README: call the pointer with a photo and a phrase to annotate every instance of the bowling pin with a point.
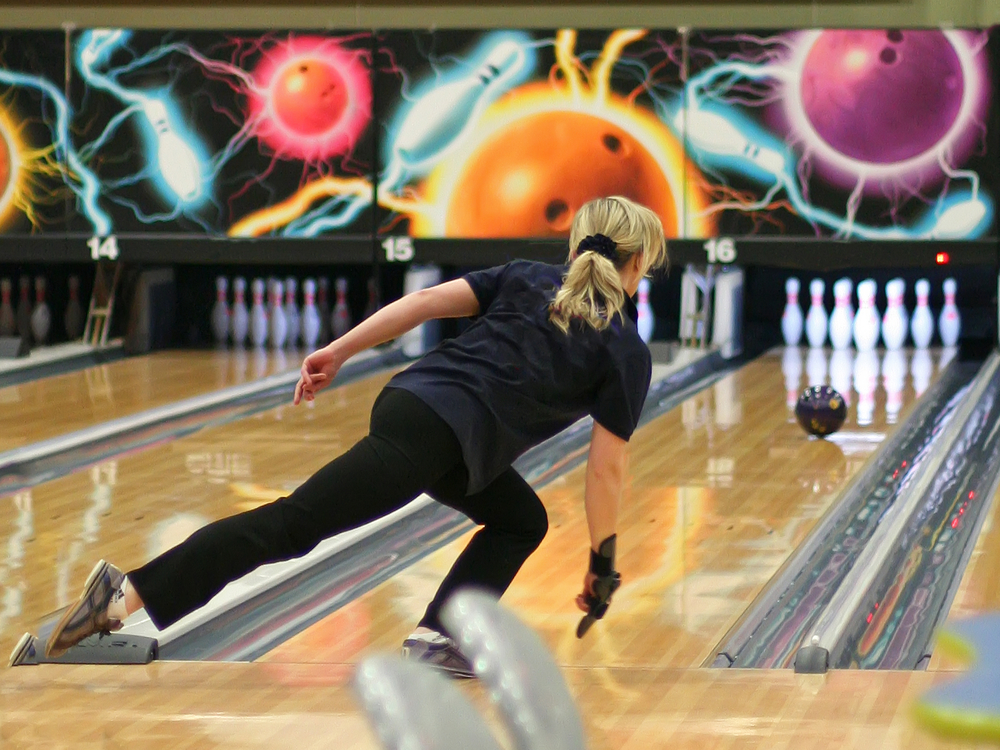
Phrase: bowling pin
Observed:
(646, 321)
(866, 322)
(73, 319)
(842, 317)
(922, 322)
(8, 321)
(278, 322)
(323, 308)
(950, 321)
(866, 371)
(893, 379)
(422, 338)
(791, 368)
(341, 317)
(816, 319)
(240, 319)
(310, 315)
(439, 118)
(220, 312)
(841, 371)
(292, 318)
(373, 302)
(816, 366)
(24, 309)
(895, 321)
(178, 164)
(41, 316)
(258, 315)
(791, 318)
(921, 369)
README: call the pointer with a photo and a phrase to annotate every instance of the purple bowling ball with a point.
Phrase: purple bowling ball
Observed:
(882, 97)
(820, 410)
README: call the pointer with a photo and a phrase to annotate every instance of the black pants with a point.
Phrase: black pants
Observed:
(408, 450)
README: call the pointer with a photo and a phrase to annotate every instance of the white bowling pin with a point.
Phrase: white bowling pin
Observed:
(323, 308)
(791, 368)
(841, 371)
(8, 321)
(74, 310)
(258, 315)
(949, 322)
(24, 308)
(341, 316)
(816, 319)
(220, 311)
(816, 366)
(791, 318)
(240, 323)
(895, 321)
(922, 322)
(278, 323)
(842, 318)
(178, 164)
(420, 339)
(921, 369)
(41, 316)
(646, 321)
(310, 315)
(292, 313)
(893, 379)
(438, 119)
(866, 370)
(866, 322)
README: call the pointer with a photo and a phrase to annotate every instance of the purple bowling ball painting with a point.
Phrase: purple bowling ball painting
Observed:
(864, 134)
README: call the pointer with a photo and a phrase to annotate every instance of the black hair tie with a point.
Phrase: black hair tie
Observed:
(598, 243)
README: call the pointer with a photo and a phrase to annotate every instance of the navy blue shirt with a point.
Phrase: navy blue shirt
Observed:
(512, 379)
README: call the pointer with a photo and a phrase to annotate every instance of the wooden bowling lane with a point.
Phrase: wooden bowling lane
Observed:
(49, 407)
(130, 509)
(979, 590)
(165, 706)
(723, 489)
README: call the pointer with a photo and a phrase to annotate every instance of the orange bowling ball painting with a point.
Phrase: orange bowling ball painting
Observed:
(524, 148)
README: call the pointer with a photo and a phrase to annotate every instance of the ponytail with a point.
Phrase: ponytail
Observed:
(606, 234)
(592, 291)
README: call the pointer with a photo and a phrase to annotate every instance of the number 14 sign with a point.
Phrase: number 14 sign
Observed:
(103, 247)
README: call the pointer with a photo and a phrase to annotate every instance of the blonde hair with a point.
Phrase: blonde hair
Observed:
(592, 289)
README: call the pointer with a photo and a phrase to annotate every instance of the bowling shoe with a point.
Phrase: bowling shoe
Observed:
(89, 614)
(441, 652)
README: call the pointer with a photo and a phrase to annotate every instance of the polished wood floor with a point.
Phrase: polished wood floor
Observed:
(722, 490)
(45, 408)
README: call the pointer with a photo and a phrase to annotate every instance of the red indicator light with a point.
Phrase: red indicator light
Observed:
(954, 524)
(869, 619)
(942, 259)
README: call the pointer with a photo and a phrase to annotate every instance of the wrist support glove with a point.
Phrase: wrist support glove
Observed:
(602, 565)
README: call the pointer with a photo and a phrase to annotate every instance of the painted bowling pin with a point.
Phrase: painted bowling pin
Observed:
(842, 317)
(258, 315)
(278, 323)
(292, 317)
(950, 321)
(645, 322)
(41, 316)
(73, 319)
(922, 322)
(895, 321)
(240, 322)
(816, 319)
(866, 323)
(220, 311)
(8, 321)
(341, 317)
(791, 318)
(310, 315)
(437, 120)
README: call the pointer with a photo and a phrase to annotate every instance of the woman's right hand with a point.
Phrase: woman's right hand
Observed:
(318, 371)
